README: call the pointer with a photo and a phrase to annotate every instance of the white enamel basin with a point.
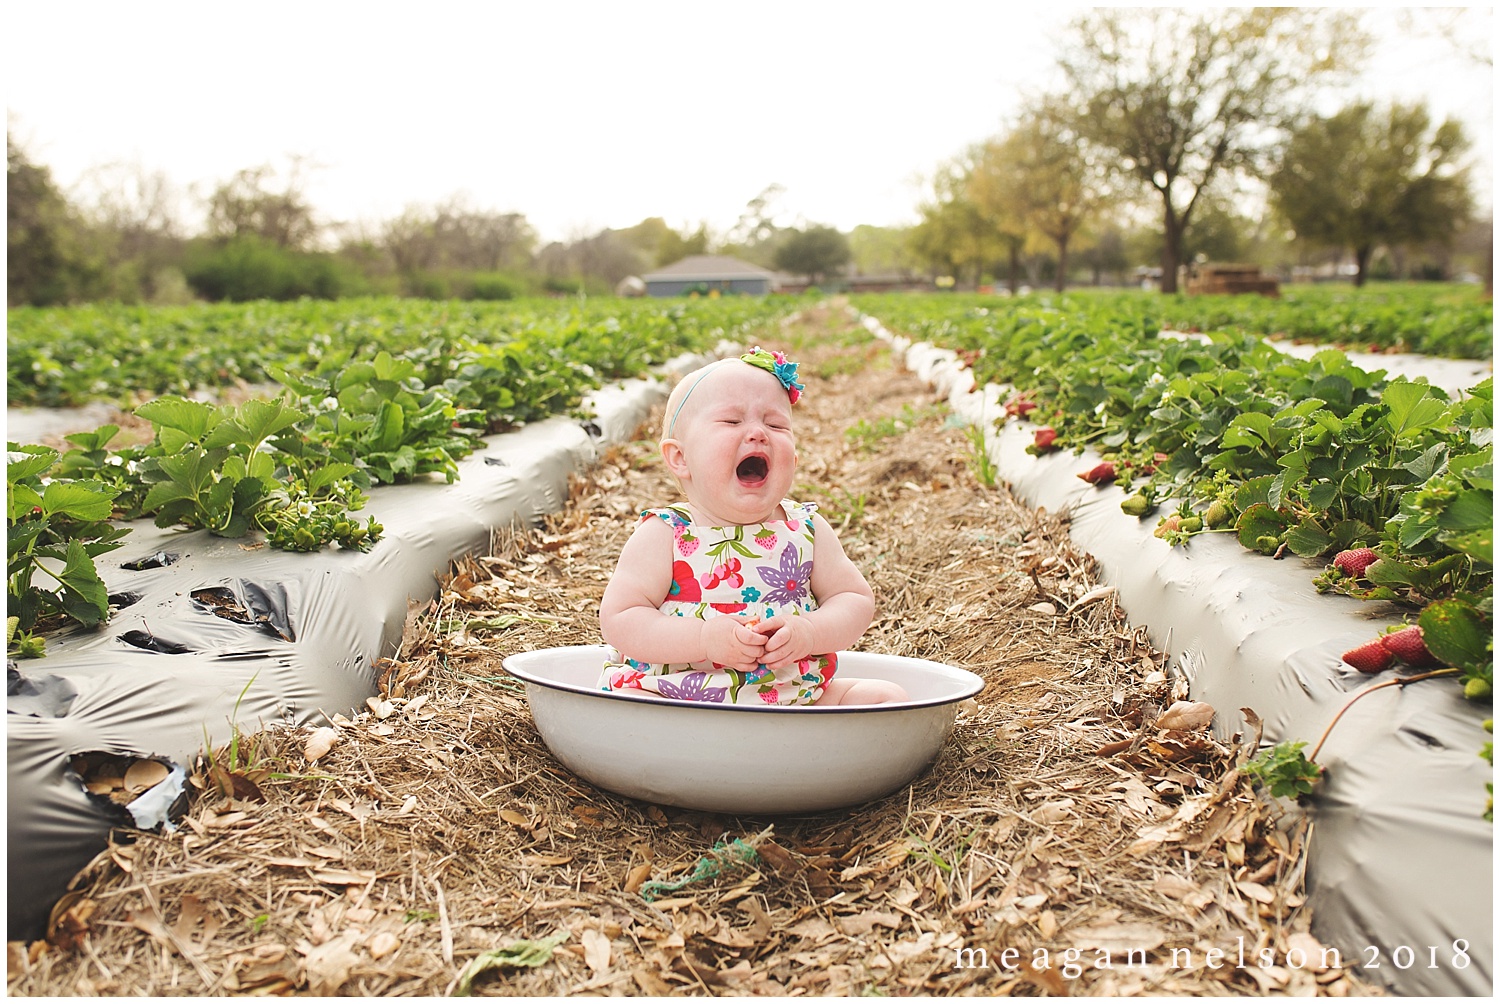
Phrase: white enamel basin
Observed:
(741, 759)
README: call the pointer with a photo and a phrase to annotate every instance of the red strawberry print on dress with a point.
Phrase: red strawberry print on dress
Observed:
(762, 571)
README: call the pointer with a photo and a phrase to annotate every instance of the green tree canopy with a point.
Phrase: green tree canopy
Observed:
(1042, 177)
(1362, 178)
(880, 250)
(250, 204)
(47, 261)
(1180, 97)
(957, 229)
(995, 188)
(815, 252)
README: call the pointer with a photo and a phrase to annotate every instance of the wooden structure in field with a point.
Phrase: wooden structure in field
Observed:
(1230, 279)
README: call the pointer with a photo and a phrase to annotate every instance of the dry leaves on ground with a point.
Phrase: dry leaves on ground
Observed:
(1082, 832)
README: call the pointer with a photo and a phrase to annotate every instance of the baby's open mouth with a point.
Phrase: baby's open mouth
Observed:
(752, 469)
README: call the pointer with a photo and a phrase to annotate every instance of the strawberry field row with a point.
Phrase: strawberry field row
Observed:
(68, 356)
(1431, 319)
(1224, 434)
(1449, 321)
(358, 398)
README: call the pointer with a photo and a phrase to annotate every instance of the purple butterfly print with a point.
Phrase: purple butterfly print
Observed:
(692, 689)
(788, 581)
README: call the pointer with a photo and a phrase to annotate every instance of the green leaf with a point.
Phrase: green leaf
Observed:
(234, 469)
(21, 500)
(1396, 573)
(1335, 390)
(518, 954)
(355, 374)
(253, 422)
(327, 474)
(261, 466)
(1478, 469)
(1250, 429)
(192, 418)
(1308, 540)
(306, 385)
(1255, 491)
(1478, 544)
(390, 425)
(86, 501)
(96, 440)
(1348, 533)
(387, 369)
(164, 493)
(29, 462)
(84, 597)
(1456, 632)
(1412, 408)
(1260, 520)
(193, 470)
(1322, 495)
(19, 537)
(1430, 462)
(1276, 494)
(245, 499)
(1471, 510)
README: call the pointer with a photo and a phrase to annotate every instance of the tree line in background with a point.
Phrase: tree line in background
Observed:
(1184, 136)
(1181, 136)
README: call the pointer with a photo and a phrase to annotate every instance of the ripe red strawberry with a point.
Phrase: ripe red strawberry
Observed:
(1044, 438)
(1408, 646)
(1371, 657)
(1102, 473)
(1353, 563)
(1020, 407)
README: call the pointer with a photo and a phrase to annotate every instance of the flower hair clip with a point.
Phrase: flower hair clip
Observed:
(776, 364)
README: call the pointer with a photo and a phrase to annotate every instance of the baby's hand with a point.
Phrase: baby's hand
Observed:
(789, 640)
(732, 643)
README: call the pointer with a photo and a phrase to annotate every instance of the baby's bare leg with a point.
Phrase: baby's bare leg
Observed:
(852, 690)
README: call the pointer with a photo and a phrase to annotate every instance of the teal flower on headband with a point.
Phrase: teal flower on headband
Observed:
(776, 364)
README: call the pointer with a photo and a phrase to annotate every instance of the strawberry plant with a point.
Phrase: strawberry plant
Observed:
(1289, 773)
(545, 351)
(1316, 458)
(56, 528)
(378, 418)
(1284, 770)
(210, 471)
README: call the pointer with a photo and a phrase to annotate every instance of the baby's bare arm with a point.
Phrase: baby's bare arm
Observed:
(631, 621)
(846, 605)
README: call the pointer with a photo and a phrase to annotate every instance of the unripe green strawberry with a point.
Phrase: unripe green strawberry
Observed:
(1217, 515)
(1192, 524)
(1136, 505)
(1477, 689)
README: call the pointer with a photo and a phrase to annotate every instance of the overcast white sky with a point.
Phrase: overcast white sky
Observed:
(579, 114)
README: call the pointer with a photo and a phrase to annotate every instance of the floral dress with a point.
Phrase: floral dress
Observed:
(762, 570)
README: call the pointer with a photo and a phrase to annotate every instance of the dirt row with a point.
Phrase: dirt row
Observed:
(1080, 833)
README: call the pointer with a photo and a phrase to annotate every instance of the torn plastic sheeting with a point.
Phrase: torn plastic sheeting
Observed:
(335, 613)
(1401, 855)
(152, 808)
(43, 696)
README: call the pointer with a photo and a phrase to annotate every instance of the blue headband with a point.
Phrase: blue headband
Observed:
(775, 364)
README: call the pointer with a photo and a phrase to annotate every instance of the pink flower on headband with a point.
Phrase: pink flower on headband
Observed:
(777, 364)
